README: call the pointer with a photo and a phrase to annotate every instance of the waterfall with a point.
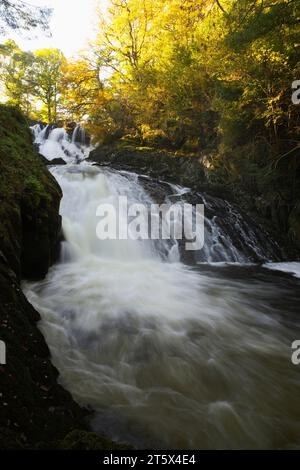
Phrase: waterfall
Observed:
(229, 237)
(79, 136)
(168, 355)
(55, 143)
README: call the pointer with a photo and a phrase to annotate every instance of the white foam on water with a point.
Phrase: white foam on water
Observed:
(291, 267)
(167, 356)
(59, 144)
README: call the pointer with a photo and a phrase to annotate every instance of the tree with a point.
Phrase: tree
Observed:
(80, 87)
(45, 80)
(15, 67)
(123, 41)
(31, 81)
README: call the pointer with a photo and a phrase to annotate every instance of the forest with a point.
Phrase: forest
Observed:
(190, 111)
(208, 78)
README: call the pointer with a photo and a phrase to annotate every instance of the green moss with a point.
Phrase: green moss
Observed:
(28, 193)
(150, 149)
(39, 413)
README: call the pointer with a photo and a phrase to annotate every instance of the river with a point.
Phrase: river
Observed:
(168, 353)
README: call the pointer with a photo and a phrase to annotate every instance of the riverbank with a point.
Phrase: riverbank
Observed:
(35, 411)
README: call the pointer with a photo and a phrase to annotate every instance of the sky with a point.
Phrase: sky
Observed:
(72, 25)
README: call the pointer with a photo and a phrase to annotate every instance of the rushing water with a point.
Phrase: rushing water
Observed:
(55, 143)
(168, 355)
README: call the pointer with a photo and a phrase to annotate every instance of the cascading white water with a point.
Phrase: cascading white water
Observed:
(79, 136)
(168, 356)
(56, 143)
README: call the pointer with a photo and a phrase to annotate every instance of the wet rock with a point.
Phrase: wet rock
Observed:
(30, 225)
(50, 128)
(274, 221)
(159, 164)
(294, 224)
(56, 161)
(82, 440)
(35, 411)
(28, 382)
(42, 158)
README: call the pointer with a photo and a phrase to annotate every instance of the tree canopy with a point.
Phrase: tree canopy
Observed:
(31, 81)
(209, 77)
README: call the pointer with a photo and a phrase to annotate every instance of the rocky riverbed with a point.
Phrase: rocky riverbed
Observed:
(163, 165)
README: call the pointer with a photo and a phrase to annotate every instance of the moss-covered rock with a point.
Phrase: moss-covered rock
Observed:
(275, 214)
(33, 407)
(161, 164)
(29, 201)
(35, 411)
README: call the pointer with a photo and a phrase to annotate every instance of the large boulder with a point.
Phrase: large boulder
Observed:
(34, 410)
(30, 224)
(160, 164)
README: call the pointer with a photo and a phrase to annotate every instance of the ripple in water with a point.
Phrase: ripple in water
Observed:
(168, 356)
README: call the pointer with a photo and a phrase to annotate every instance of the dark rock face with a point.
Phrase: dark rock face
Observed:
(30, 224)
(40, 233)
(33, 407)
(49, 129)
(57, 161)
(188, 171)
(161, 165)
(35, 412)
(234, 226)
(82, 440)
